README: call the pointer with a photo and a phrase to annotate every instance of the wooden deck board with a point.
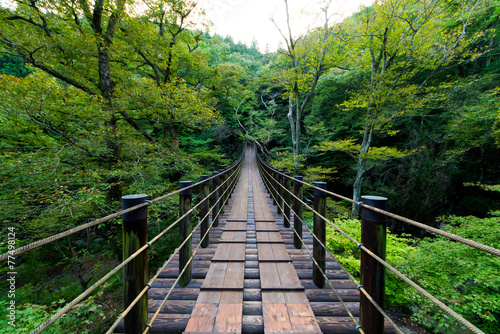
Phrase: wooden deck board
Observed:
(235, 302)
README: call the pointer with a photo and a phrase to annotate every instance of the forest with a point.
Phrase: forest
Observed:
(108, 98)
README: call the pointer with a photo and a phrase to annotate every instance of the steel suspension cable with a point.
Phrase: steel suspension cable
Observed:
(321, 270)
(448, 235)
(86, 293)
(150, 325)
(151, 281)
(360, 288)
(78, 299)
(436, 301)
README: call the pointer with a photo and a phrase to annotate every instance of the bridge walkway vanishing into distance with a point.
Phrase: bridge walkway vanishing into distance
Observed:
(249, 265)
(251, 278)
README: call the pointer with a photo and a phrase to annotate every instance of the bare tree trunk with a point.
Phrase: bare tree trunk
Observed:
(292, 123)
(365, 147)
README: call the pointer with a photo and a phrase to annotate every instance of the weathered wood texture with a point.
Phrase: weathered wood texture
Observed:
(254, 287)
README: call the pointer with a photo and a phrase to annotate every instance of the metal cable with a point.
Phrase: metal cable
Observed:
(86, 293)
(321, 270)
(78, 299)
(146, 330)
(448, 235)
(374, 303)
(151, 281)
(445, 308)
(436, 301)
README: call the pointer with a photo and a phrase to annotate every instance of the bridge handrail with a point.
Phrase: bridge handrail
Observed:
(151, 281)
(445, 308)
(428, 228)
(360, 288)
(87, 292)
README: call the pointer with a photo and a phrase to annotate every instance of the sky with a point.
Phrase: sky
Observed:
(247, 20)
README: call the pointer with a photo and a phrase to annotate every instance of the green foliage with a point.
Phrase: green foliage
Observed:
(181, 101)
(285, 161)
(11, 65)
(462, 277)
(85, 318)
(375, 153)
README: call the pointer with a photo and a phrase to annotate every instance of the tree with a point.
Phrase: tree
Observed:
(89, 46)
(306, 62)
(402, 44)
(13, 65)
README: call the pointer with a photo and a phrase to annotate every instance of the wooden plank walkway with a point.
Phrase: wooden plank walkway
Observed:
(251, 279)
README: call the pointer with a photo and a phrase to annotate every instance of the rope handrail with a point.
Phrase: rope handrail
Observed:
(454, 237)
(436, 301)
(384, 314)
(177, 250)
(87, 292)
(322, 272)
(173, 285)
(77, 229)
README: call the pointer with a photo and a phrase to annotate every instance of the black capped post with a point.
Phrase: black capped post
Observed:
(287, 199)
(274, 185)
(204, 227)
(215, 199)
(185, 229)
(319, 230)
(298, 191)
(135, 273)
(373, 237)
(279, 198)
(222, 194)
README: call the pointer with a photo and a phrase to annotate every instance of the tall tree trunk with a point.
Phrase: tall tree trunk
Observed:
(365, 147)
(107, 90)
(298, 119)
(292, 124)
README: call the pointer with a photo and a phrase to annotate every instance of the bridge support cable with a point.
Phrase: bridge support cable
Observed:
(360, 288)
(183, 270)
(85, 294)
(130, 213)
(321, 270)
(445, 308)
(428, 228)
(229, 189)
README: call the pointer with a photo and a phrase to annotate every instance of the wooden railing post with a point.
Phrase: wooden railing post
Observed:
(298, 191)
(266, 172)
(373, 237)
(204, 228)
(185, 229)
(287, 199)
(215, 199)
(222, 195)
(319, 230)
(280, 191)
(274, 183)
(135, 273)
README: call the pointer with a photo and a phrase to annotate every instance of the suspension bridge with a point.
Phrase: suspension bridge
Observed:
(250, 264)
